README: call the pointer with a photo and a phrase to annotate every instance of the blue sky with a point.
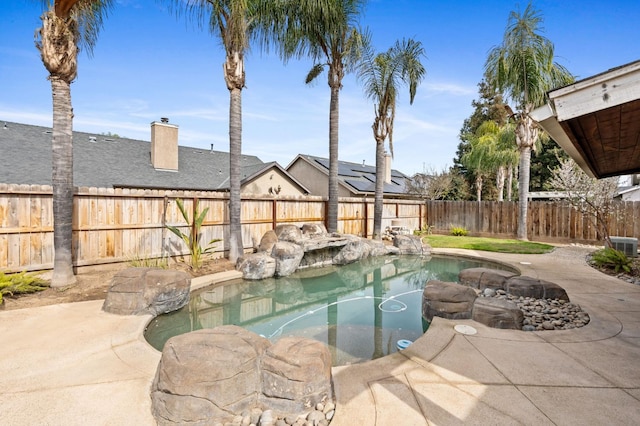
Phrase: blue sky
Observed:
(148, 64)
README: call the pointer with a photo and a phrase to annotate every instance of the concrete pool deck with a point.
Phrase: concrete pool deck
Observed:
(72, 364)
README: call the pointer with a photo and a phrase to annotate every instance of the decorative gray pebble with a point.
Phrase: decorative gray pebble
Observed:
(316, 416)
(546, 314)
(488, 292)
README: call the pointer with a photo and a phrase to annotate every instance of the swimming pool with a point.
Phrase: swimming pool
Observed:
(361, 311)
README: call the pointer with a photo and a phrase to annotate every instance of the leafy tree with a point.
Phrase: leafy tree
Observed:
(523, 69)
(459, 188)
(492, 151)
(505, 157)
(479, 158)
(488, 107)
(592, 197)
(381, 75)
(543, 162)
(67, 26)
(431, 185)
(326, 31)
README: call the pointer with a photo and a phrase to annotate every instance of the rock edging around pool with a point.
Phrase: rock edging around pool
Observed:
(287, 248)
(229, 375)
(502, 299)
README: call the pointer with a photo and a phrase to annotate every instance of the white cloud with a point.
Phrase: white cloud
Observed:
(448, 89)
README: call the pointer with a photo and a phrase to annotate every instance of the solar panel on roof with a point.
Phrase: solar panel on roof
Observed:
(360, 185)
(393, 189)
(343, 169)
(322, 162)
(346, 170)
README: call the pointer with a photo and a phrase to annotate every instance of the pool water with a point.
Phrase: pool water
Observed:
(361, 311)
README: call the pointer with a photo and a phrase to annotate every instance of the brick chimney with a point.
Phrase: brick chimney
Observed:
(387, 167)
(164, 145)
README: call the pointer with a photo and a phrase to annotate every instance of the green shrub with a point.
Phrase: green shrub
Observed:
(192, 239)
(20, 283)
(458, 231)
(611, 258)
(425, 230)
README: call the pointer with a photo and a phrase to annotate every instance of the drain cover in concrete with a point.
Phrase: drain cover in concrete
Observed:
(465, 329)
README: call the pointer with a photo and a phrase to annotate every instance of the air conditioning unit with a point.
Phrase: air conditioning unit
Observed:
(627, 245)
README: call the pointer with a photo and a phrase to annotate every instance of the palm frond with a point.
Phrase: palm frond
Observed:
(523, 66)
(314, 72)
(90, 16)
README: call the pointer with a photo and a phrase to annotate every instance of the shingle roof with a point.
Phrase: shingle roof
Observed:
(105, 161)
(361, 177)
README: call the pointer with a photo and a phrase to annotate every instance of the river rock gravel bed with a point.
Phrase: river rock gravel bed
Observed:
(544, 314)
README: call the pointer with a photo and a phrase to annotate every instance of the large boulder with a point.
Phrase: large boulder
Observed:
(256, 266)
(482, 278)
(268, 240)
(207, 376)
(142, 291)
(314, 230)
(447, 300)
(288, 232)
(296, 375)
(374, 248)
(532, 287)
(287, 256)
(350, 253)
(411, 244)
(497, 313)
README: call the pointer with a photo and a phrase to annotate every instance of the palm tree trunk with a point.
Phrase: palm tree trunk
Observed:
(235, 151)
(379, 194)
(62, 180)
(510, 183)
(500, 182)
(334, 117)
(479, 187)
(523, 191)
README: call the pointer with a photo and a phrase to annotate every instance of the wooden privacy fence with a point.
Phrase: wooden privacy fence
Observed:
(546, 221)
(116, 225)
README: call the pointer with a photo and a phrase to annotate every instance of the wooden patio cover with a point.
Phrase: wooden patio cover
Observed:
(597, 121)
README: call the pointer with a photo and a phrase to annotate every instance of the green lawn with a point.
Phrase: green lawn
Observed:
(487, 244)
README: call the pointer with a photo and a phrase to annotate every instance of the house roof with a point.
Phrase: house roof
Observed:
(106, 161)
(252, 172)
(597, 121)
(358, 178)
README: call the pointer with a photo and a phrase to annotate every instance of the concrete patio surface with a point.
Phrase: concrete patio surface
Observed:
(73, 364)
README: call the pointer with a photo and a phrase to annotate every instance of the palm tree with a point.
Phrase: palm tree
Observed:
(235, 22)
(325, 30)
(67, 25)
(505, 156)
(480, 157)
(381, 76)
(523, 69)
